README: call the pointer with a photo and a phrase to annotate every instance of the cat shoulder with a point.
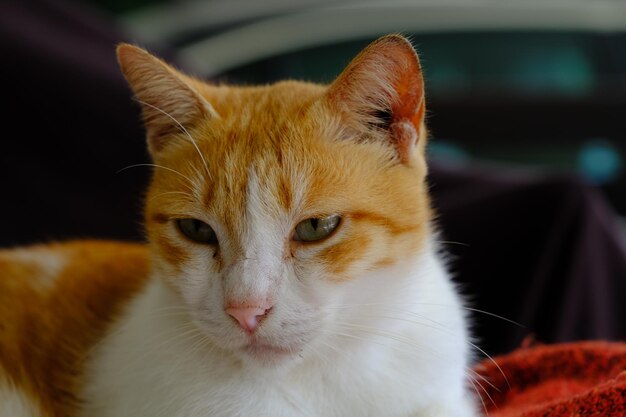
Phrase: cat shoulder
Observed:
(79, 266)
(56, 302)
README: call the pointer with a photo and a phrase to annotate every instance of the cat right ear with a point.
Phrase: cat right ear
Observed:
(382, 90)
(170, 103)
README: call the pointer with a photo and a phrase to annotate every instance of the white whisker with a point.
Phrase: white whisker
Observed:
(189, 180)
(480, 397)
(183, 129)
(492, 361)
(436, 326)
(348, 306)
(170, 193)
(377, 332)
(449, 242)
(485, 380)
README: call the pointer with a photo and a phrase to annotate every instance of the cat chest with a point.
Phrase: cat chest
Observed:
(233, 399)
(222, 392)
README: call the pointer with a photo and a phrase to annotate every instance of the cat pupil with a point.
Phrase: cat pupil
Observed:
(316, 228)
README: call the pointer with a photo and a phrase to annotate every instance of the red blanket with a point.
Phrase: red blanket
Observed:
(585, 379)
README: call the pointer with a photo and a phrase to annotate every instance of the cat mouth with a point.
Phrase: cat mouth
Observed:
(268, 353)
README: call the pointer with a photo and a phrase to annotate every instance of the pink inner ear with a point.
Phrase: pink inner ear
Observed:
(386, 75)
(409, 89)
(408, 109)
(405, 136)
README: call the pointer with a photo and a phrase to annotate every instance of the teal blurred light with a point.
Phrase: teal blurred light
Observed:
(599, 161)
(446, 151)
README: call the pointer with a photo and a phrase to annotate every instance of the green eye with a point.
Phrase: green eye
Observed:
(197, 230)
(317, 228)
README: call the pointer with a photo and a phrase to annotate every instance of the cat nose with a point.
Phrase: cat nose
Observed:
(248, 317)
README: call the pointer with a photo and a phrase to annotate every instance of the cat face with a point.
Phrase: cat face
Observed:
(273, 207)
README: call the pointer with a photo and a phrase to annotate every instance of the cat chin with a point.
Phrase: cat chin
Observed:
(260, 352)
(268, 356)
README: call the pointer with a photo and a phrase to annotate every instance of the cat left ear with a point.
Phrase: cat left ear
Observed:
(382, 89)
(169, 100)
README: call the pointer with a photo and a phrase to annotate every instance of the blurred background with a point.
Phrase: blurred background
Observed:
(526, 107)
(539, 83)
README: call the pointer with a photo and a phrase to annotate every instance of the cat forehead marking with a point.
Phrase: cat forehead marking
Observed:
(267, 215)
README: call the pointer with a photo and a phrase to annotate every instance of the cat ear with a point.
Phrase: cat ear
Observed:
(170, 103)
(382, 89)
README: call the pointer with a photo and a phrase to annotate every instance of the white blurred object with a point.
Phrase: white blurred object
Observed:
(242, 31)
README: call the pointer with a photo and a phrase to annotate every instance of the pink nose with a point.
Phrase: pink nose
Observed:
(248, 317)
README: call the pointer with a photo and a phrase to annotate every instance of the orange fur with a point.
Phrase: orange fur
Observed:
(349, 177)
(307, 145)
(46, 332)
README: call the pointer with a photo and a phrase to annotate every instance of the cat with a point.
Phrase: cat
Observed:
(291, 268)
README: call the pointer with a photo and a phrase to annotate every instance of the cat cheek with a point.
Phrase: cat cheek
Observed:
(183, 265)
(199, 283)
(166, 248)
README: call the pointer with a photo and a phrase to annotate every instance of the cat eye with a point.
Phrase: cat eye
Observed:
(197, 230)
(316, 228)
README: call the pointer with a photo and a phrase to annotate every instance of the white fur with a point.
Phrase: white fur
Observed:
(385, 343)
(150, 367)
(15, 403)
(47, 261)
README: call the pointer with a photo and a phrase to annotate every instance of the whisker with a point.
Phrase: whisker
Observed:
(486, 391)
(334, 349)
(449, 242)
(377, 332)
(475, 310)
(162, 312)
(436, 326)
(162, 167)
(186, 336)
(492, 361)
(202, 343)
(183, 129)
(440, 328)
(185, 308)
(320, 355)
(170, 192)
(351, 336)
(480, 397)
(485, 380)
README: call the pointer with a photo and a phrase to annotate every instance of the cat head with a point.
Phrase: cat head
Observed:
(274, 208)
